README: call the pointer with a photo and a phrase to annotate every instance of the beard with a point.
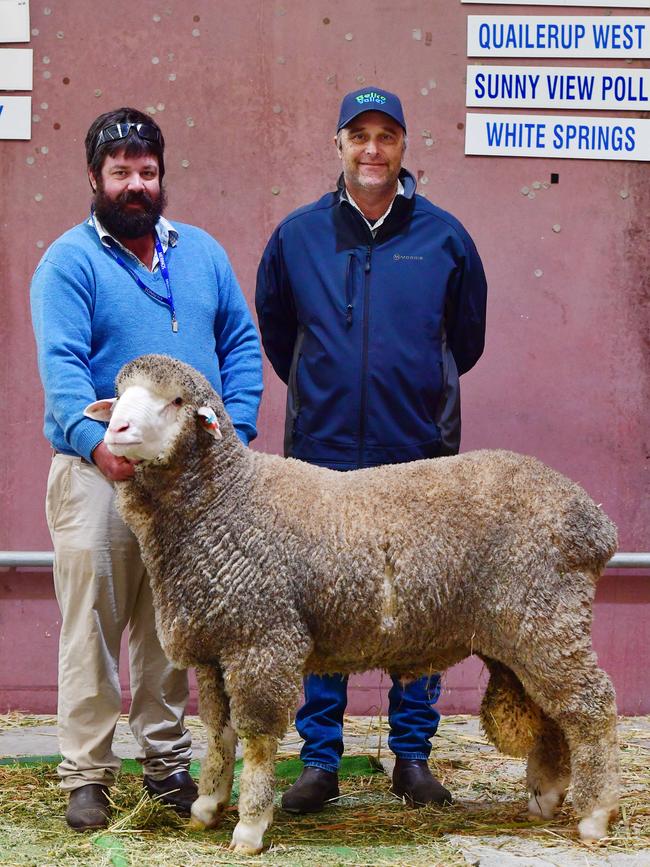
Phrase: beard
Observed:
(124, 222)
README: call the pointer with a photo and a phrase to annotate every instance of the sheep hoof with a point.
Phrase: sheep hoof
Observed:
(248, 836)
(244, 849)
(206, 813)
(198, 825)
(543, 806)
(594, 826)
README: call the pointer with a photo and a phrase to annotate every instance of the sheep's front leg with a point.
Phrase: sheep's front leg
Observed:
(215, 783)
(263, 684)
(256, 790)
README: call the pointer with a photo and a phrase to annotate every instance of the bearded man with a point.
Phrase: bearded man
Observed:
(123, 283)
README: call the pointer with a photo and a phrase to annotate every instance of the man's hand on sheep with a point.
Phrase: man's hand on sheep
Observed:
(116, 469)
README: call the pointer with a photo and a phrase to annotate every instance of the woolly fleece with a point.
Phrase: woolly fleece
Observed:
(263, 568)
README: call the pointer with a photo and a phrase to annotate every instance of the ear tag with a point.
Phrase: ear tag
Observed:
(208, 419)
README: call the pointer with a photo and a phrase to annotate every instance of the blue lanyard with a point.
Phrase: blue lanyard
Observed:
(165, 276)
(169, 300)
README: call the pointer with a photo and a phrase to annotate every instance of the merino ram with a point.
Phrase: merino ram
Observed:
(264, 568)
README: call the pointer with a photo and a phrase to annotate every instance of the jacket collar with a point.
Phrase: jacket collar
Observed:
(352, 229)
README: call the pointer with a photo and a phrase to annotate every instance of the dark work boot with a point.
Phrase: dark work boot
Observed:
(311, 791)
(178, 790)
(88, 807)
(413, 780)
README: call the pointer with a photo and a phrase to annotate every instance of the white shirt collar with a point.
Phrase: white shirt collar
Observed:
(374, 226)
(166, 232)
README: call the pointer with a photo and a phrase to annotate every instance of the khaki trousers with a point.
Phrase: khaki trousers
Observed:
(102, 587)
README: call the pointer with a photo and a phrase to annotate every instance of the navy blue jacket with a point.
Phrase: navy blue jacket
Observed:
(371, 335)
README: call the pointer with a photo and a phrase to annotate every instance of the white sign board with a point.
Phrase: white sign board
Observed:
(14, 21)
(15, 117)
(16, 68)
(611, 4)
(557, 36)
(558, 87)
(563, 137)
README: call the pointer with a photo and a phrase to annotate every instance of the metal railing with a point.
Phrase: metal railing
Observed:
(624, 560)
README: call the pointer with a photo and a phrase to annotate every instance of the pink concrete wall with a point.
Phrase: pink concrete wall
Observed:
(30, 629)
(247, 94)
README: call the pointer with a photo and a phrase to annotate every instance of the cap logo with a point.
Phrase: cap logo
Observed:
(373, 96)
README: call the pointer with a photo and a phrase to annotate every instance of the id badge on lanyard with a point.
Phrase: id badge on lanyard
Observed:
(169, 300)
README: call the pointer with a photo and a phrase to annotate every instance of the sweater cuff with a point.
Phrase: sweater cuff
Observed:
(87, 436)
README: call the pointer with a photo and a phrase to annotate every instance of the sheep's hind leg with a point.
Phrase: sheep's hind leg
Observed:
(517, 726)
(217, 769)
(580, 698)
(256, 790)
(549, 770)
(590, 730)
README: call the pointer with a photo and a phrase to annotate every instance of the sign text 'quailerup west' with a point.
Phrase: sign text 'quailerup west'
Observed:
(611, 4)
(558, 36)
(563, 137)
(15, 117)
(558, 87)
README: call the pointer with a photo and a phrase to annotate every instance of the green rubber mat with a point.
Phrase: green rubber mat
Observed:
(286, 770)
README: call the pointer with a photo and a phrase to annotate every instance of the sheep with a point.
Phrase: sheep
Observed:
(264, 568)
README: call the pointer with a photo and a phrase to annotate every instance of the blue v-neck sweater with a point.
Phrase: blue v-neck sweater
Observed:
(90, 317)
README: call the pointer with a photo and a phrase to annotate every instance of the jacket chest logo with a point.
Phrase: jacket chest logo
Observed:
(400, 257)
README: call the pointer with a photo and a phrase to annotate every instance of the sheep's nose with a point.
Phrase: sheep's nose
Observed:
(119, 427)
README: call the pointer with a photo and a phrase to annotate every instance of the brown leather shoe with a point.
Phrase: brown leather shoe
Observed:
(178, 790)
(88, 807)
(311, 791)
(413, 780)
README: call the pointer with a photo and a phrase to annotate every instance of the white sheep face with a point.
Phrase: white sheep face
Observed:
(142, 425)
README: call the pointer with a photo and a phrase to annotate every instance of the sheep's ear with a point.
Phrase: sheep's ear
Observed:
(208, 419)
(101, 410)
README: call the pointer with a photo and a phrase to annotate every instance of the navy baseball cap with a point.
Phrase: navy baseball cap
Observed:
(370, 99)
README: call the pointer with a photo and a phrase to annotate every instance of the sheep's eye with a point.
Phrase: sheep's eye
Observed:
(178, 401)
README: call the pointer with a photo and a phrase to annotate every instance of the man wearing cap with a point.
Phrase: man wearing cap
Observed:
(371, 304)
(123, 283)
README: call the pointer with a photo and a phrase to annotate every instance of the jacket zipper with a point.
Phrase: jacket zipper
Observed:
(364, 357)
(348, 291)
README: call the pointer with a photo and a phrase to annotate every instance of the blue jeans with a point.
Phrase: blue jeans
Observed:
(411, 713)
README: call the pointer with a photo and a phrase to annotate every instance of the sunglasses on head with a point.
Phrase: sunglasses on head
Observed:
(119, 131)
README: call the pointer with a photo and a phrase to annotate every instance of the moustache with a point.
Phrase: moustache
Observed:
(129, 198)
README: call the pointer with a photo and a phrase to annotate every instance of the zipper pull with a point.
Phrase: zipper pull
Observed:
(348, 317)
(367, 265)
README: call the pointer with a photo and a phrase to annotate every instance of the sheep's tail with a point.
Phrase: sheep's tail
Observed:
(511, 720)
